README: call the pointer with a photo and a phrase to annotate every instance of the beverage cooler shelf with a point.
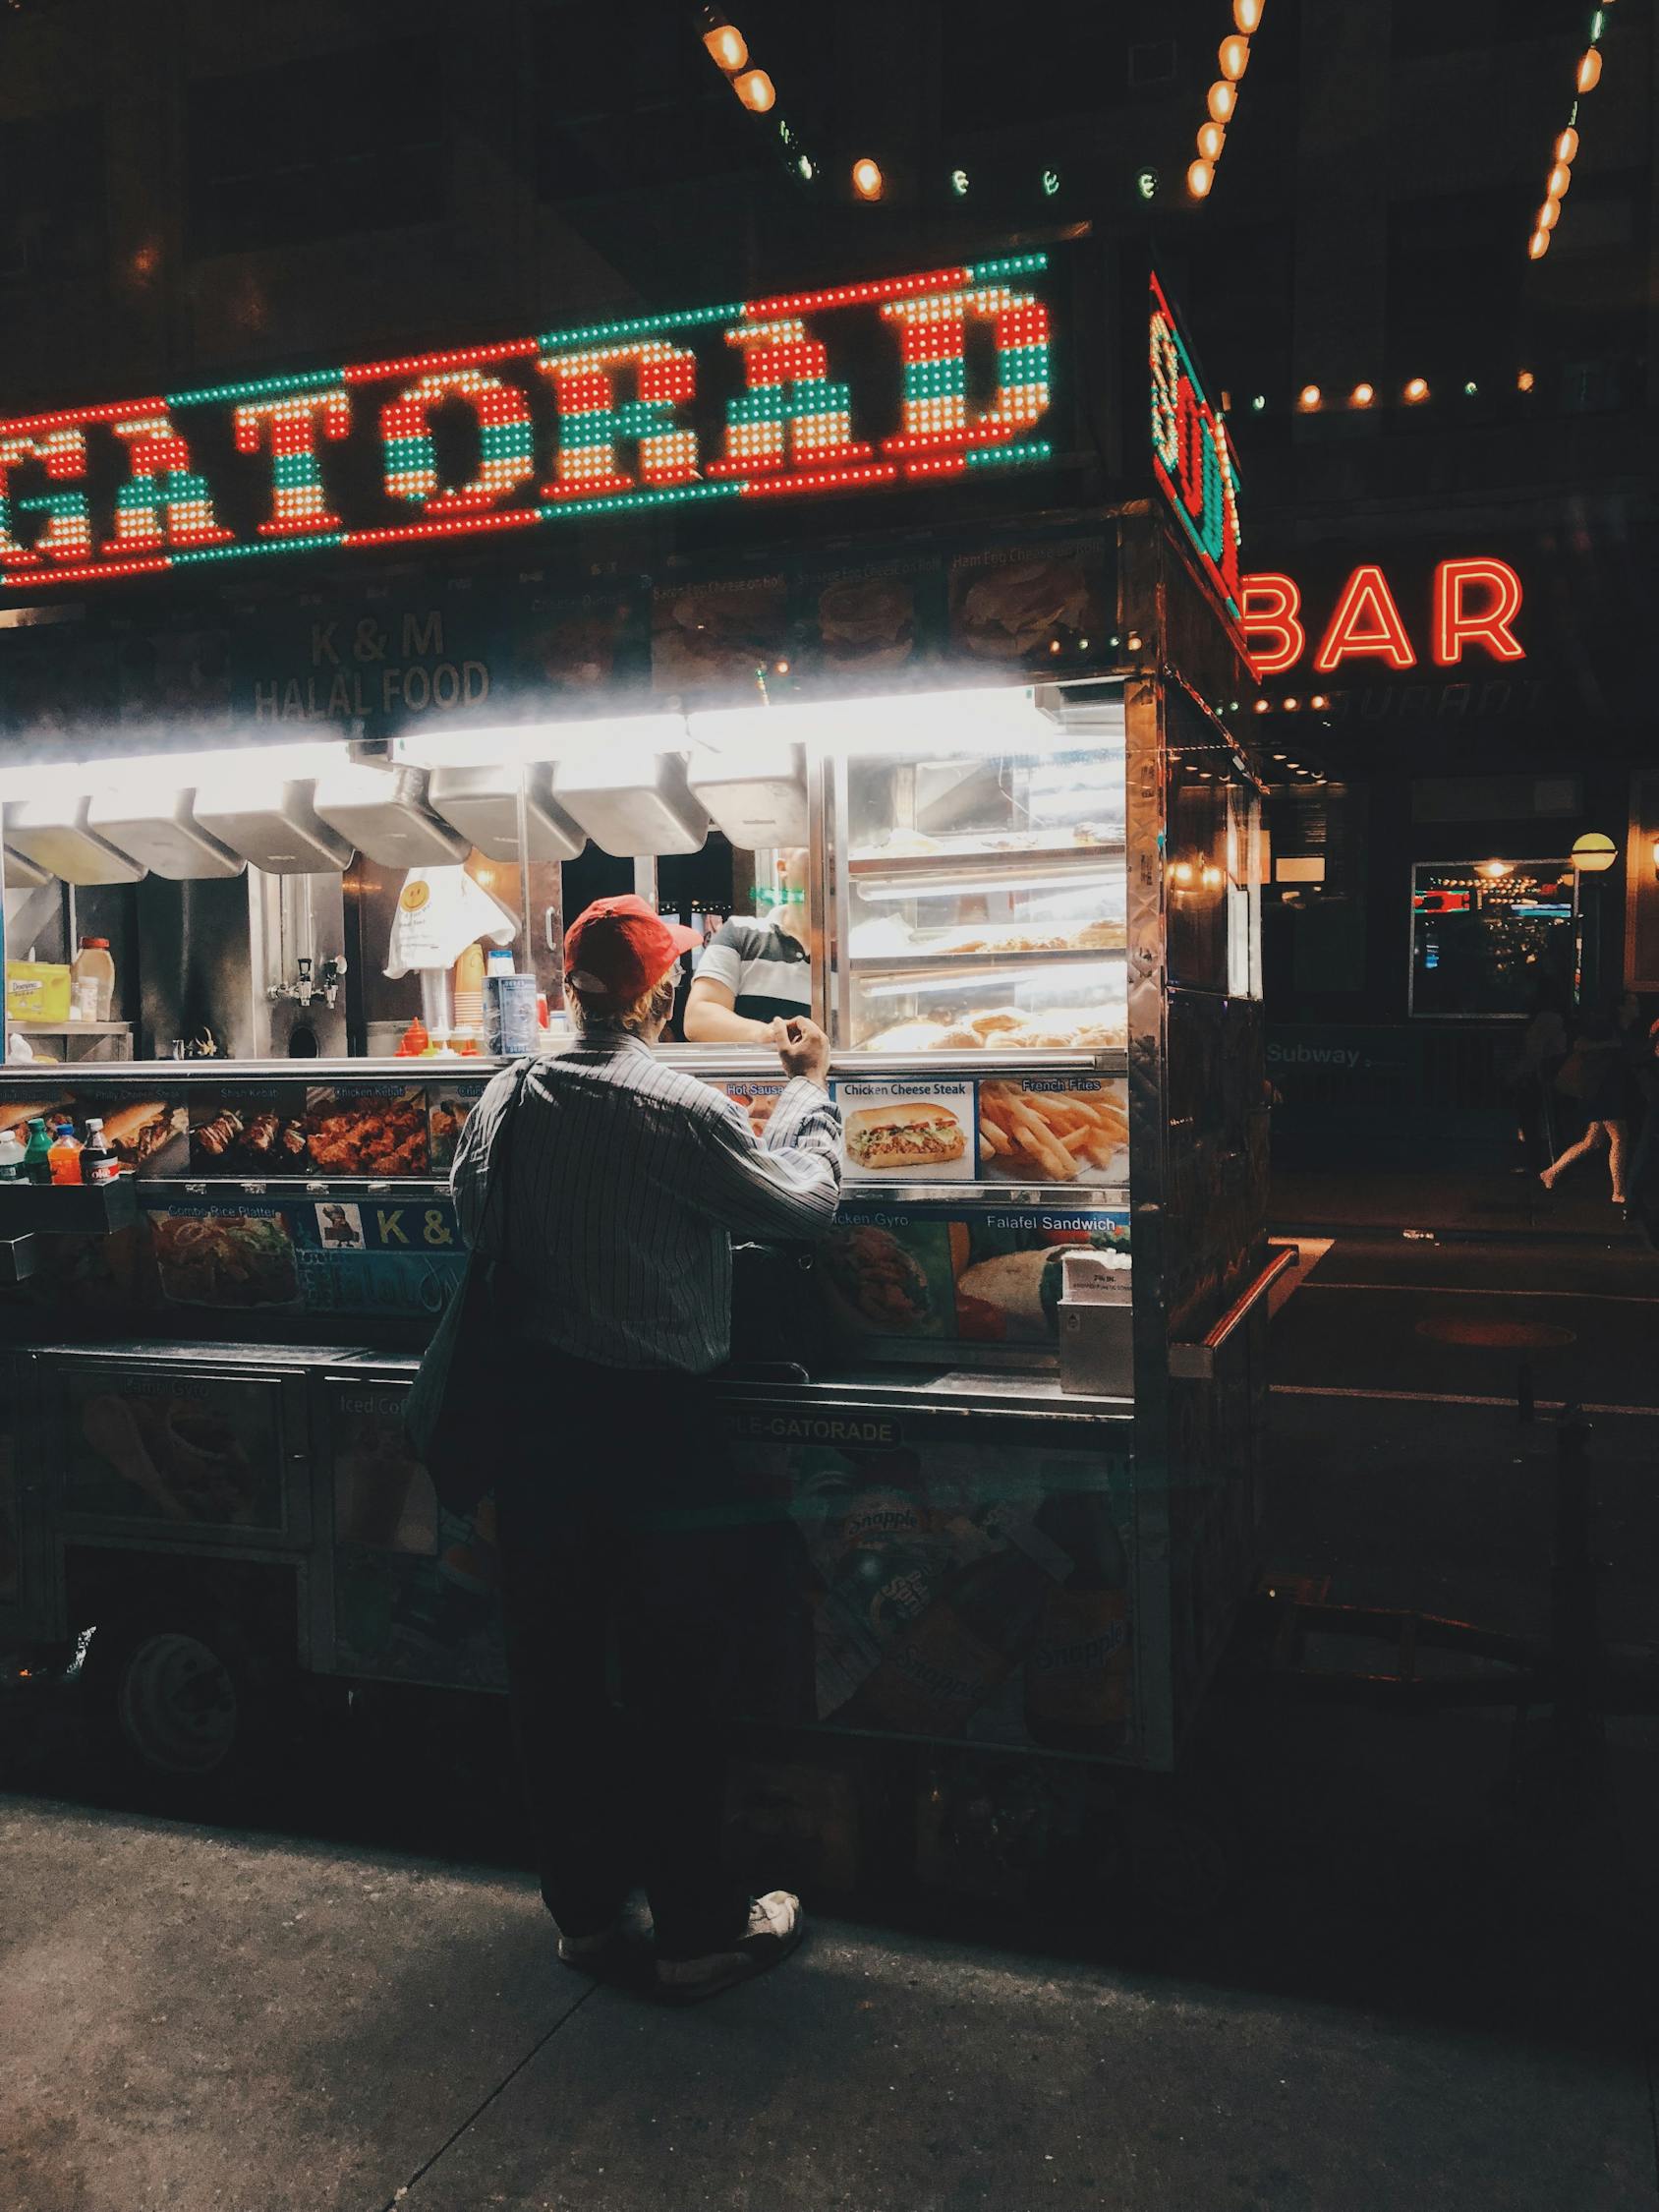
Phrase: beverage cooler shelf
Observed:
(67, 1208)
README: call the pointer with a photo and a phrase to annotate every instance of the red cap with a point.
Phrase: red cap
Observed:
(617, 950)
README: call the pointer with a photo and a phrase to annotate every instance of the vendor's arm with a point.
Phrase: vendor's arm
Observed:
(712, 1016)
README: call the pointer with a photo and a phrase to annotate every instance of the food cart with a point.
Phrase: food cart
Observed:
(990, 688)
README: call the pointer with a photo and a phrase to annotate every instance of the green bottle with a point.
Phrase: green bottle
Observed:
(36, 1158)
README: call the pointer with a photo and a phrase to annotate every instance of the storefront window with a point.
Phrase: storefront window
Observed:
(1490, 938)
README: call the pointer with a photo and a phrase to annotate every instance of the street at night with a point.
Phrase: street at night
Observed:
(829, 1106)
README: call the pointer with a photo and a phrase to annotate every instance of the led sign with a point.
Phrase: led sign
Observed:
(1473, 603)
(1191, 457)
(754, 399)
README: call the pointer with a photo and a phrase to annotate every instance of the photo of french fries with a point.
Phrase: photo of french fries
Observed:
(1052, 1135)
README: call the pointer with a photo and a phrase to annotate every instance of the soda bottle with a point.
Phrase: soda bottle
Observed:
(37, 1154)
(63, 1158)
(1078, 1677)
(10, 1156)
(98, 1164)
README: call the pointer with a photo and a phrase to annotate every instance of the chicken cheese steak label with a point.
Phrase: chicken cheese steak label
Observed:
(917, 1131)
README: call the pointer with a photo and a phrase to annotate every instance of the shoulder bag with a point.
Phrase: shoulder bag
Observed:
(460, 1416)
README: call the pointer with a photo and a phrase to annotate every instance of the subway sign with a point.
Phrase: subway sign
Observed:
(888, 385)
(1470, 608)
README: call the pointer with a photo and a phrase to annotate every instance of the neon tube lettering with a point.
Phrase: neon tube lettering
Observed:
(1366, 623)
(1457, 624)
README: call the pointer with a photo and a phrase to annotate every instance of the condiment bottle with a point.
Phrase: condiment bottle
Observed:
(98, 1164)
(37, 1157)
(64, 1157)
(10, 1156)
(93, 966)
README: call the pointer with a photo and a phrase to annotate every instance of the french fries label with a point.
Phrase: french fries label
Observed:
(1055, 1129)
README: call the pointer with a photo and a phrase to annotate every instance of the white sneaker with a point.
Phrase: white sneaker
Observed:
(775, 1927)
(590, 1950)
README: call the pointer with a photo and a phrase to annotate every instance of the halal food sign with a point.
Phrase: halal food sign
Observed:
(781, 397)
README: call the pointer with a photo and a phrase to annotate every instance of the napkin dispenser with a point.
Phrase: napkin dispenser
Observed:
(1096, 1325)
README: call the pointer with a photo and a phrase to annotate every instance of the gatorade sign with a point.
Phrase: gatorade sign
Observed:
(1472, 607)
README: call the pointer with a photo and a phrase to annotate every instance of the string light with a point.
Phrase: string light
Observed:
(756, 89)
(1416, 390)
(1362, 395)
(1565, 150)
(1233, 58)
(867, 177)
(727, 47)
(1308, 398)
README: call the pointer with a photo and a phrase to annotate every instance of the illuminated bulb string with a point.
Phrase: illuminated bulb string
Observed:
(1565, 152)
(1233, 59)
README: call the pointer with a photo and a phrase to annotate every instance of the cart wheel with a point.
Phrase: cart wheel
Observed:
(176, 1692)
(1181, 1865)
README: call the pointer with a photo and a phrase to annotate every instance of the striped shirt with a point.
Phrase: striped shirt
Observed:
(768, 973)
(628, 1180)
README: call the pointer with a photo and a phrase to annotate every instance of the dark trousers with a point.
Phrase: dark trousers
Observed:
(614, 1547)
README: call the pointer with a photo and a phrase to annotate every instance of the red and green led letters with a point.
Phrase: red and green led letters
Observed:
(1191, 457)
(570, 424)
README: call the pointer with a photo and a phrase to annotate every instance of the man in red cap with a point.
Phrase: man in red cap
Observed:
(624, 1182)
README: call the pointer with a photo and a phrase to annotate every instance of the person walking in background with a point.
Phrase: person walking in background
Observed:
(1642, 1185)
(1597, 1072)
(1543, 1051)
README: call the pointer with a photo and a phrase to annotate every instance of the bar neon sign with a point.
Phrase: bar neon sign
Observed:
(1190, 455)
(1473, 603)
(614, 396)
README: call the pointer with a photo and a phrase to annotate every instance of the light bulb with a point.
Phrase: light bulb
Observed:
(1560, 181)
(867, 178)
(1234, 57)
(1566, 146)
(1307, 399)
(1223, 99)
(1417, 389)
(1526, 381)
(1212, 137)
(727, 49)
(1200, 176)
(1590, 69)
(1539, 244)
(1247, 14)
(960, 183)
(1362, 395)
(1548, 215)
(756, 89)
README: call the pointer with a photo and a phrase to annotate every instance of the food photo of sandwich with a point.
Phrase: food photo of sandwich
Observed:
(1013, 609)
(714, 634)
(868, 621)
(918, 1133)
(137, 1134)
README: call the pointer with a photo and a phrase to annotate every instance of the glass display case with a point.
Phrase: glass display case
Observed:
(979, 885)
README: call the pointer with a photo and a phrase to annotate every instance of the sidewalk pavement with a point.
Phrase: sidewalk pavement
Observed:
(1482, 1202)
(216, 2021)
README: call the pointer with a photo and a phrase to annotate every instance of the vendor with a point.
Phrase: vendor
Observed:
(756, 975)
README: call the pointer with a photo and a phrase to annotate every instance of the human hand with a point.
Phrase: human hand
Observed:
(804, 1050)
(775, 1033)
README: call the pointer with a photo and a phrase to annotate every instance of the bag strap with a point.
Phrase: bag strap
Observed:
(500, 1152)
